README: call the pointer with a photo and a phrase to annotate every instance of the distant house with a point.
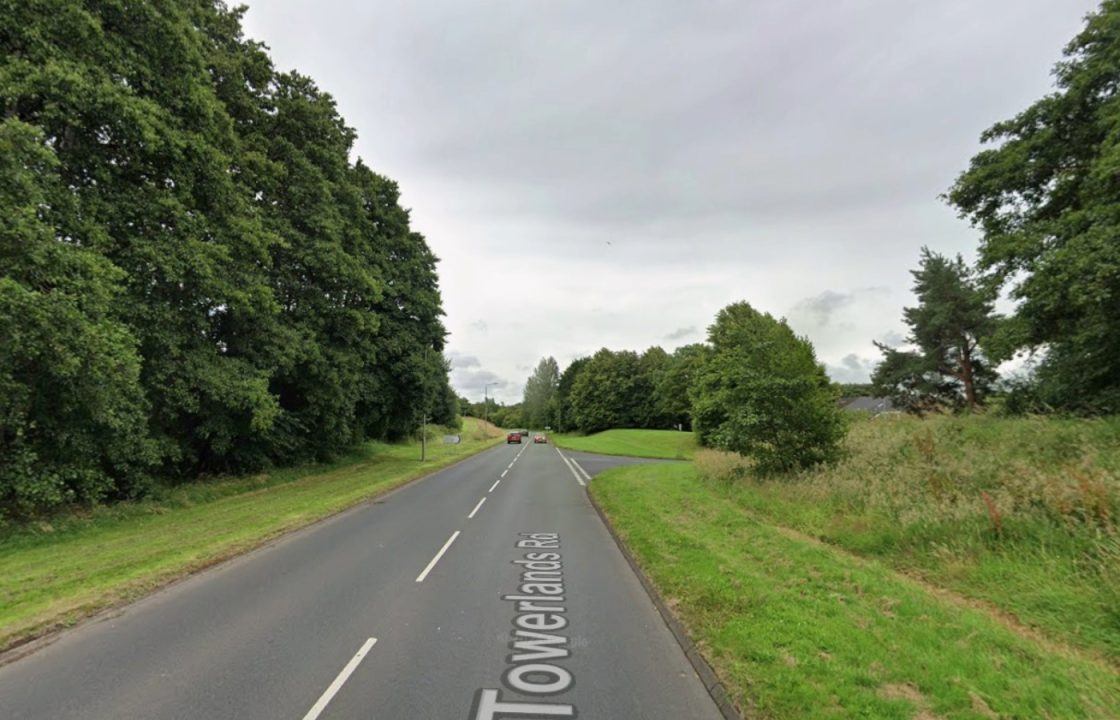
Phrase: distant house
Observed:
(866, 403)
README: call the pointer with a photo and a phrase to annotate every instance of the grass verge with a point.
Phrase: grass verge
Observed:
(52, 575)
(664, 444)
(1021, 513)
(798, 629)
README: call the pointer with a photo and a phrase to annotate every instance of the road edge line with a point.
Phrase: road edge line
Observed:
(571, 469)
(580, 468)
(704, 671)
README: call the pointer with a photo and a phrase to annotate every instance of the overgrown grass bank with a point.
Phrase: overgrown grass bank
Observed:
(798, 629)
(665, 444)
(1021, 513)
(52, 574)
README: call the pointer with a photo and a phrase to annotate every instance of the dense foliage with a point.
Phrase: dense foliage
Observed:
(540, 391)
(947, 368)
(1045, 198)
(195, 276)
(762, 393)
(754, 388)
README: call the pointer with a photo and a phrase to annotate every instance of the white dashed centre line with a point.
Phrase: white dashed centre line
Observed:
(476, 507)
(494, 485)
(339, 681)
(442, 550)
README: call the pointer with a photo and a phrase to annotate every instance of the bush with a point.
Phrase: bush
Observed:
(762, 394)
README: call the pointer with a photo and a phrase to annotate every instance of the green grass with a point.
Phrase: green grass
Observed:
(666, 444)
(798, 629)
(53, 574)
(1019, 513)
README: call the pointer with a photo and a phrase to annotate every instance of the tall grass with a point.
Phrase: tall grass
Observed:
(1023, 513)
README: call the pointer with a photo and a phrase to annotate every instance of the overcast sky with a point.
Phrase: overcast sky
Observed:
(613, 173)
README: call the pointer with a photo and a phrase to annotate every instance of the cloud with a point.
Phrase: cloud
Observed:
(787, 153)
(682, 333)
(473, 383)
(820, 309)
(852, 369)
(823, 308)
(460, 361)
(892, 338)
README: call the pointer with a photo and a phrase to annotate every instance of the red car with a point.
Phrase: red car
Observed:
(539, 439)
(513, 437)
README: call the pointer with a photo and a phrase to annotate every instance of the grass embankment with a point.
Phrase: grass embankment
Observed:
(53, 574)
(665, 444)
(968, 564)
(1021, 513)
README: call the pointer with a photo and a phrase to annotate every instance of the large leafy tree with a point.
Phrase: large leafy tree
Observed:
(953, 314)
(563, 417)
(762, 393)
(607, 392)
(72, 412)
(121, 92)
(260, 297)
(672, 385)
(540, 393)
(1046, 199)
(652, 364)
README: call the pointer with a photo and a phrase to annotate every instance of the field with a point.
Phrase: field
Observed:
(53, 574)
(665, 444)
(959, 567)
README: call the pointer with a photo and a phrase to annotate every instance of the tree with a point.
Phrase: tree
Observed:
(508, 416)
(563, 418)
(607, 392)
(1045, 200)
(953, 314)
(269, 293)
(762, 393)
(540, 391)
(673, 404)
(906, 378)
(652, 364)
(73, 417)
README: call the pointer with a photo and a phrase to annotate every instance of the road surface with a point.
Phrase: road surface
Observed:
(489, 589)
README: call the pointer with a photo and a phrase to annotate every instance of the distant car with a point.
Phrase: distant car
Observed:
(524, 433)
(539, 439)
(513, 437)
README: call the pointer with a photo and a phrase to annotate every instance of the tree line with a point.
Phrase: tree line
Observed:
(754, 388)
(194, 276)
(1044, 198)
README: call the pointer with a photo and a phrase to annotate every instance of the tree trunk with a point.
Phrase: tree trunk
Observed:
(967, 376)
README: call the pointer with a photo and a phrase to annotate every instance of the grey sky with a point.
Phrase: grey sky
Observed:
(611, 174)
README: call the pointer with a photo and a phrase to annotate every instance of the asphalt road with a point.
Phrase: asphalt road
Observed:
(379, 613)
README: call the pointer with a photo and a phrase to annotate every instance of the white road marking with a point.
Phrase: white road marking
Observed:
(335, 686)
(574, 473)
(580, 468)
(476, 507)
(442, 550)
(504, 472)
(494, 485)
